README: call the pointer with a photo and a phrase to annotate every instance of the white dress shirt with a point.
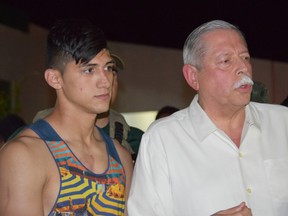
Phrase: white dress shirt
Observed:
(187, 166)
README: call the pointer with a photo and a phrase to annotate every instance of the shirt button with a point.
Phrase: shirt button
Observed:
(240, 154)
(249, 190)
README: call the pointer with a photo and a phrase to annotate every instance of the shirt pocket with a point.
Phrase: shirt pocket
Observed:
(277, 176)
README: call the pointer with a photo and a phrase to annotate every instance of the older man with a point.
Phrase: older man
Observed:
(223, 151)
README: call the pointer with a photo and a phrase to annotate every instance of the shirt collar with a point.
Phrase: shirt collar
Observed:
(252, 117)
(203, 125)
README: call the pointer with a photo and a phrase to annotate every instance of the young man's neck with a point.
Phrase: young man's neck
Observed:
(102, 119)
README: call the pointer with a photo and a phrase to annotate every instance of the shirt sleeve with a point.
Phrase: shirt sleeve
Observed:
(150, 192)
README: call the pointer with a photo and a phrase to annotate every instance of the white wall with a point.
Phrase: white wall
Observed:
(152, 78)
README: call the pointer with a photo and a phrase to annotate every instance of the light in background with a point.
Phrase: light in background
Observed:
(141, 120)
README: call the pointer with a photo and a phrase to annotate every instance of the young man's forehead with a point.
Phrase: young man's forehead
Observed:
(102, 58)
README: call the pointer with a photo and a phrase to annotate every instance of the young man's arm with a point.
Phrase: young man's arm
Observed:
(127, 162)
(21, 180)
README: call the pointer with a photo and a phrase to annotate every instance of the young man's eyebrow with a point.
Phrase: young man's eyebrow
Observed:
(95, 64)
(112, 61)
(87, 65)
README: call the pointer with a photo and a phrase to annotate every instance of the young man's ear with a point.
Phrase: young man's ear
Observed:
(190, 73)
(53, 78)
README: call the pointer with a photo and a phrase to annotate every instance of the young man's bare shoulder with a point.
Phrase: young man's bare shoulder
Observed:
(26, 146)
(125, 156)
(24, 172)
(123, 153)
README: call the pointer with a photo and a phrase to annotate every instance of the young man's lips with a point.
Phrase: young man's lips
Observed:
(102, 96)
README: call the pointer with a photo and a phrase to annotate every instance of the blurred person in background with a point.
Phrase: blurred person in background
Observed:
(10, 125)
(166, 111)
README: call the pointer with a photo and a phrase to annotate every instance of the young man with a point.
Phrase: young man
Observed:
(64, 164)
(220, 151)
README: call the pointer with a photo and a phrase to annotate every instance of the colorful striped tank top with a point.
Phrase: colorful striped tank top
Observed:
(83, 192)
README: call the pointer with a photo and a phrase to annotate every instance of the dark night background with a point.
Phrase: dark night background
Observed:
(162, 23)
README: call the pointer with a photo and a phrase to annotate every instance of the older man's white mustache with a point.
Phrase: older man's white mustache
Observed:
(245, 80)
